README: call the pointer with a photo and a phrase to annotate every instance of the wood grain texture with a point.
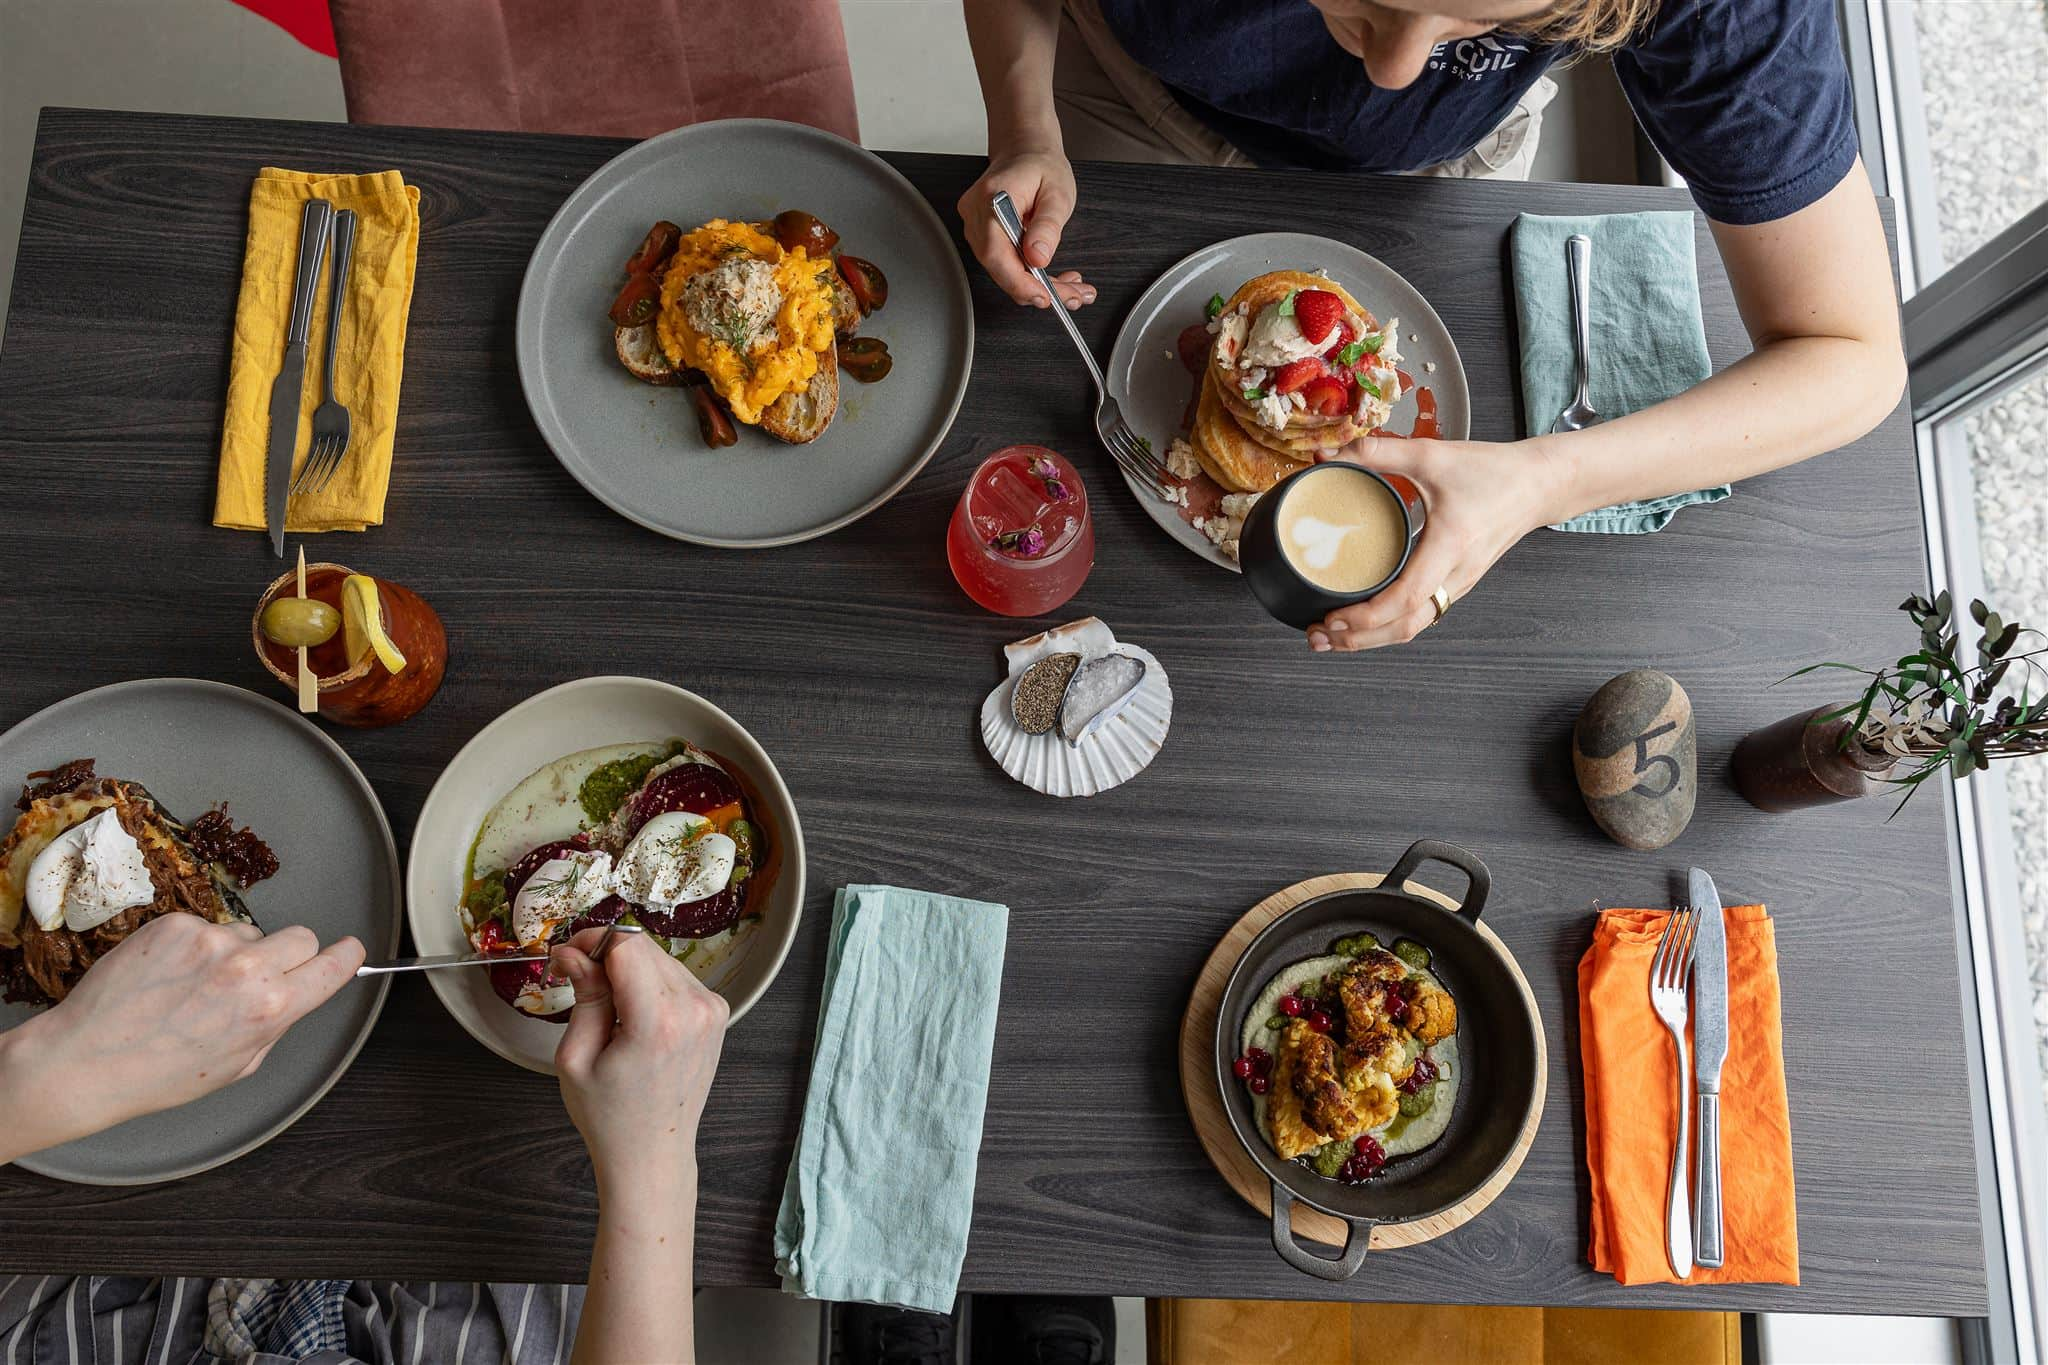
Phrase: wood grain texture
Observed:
(1212, 1124)
(858, 664)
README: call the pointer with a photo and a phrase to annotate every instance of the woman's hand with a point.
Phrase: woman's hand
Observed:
(1481, 496)
(637, 1057)
(635, 1064)
(178, 1010)
(1041, 184)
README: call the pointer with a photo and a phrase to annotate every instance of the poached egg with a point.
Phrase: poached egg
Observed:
(559, 890)
(675, 859)
(87, 875)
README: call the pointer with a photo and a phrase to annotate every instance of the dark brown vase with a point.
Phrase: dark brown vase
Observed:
(1799, 762)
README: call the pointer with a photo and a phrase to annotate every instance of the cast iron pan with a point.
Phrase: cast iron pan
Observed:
(1496, 1046)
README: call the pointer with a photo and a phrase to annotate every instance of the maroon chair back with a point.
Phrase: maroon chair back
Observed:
(594, 66)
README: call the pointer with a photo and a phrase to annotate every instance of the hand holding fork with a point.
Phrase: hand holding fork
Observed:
(1133, 454)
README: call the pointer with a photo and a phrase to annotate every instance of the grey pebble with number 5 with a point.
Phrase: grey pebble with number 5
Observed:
(1636, 758)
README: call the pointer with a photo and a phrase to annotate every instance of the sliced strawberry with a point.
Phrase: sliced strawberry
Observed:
(1317, 313)
(1326, 396)
(1344, 335)
(1296, 373)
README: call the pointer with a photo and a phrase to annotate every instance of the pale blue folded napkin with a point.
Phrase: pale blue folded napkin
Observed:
(1648, 343)
(881, 1190)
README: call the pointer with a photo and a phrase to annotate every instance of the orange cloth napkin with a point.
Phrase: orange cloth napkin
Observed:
(370, 349)
(1632, 1119)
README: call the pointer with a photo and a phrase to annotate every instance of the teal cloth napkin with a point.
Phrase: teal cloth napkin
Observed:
(881, 1189)
(1648, 343)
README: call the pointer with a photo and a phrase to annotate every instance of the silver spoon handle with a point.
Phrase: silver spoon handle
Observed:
(1578, 264)
(1013, 228)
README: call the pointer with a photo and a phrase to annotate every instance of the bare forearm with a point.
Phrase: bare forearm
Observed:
(1014, 42)
(45, 1103)
(1787, 401)
(639, 1304)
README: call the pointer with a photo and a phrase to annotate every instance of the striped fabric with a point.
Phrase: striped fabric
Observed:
(112, 1320)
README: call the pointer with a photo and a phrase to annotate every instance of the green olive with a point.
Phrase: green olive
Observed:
(299, 622)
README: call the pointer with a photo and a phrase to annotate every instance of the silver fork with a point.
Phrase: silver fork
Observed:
(331, 419)
(1132, 453)
(1669, 969)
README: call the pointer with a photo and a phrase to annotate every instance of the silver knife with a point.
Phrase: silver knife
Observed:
(1709, 1051)
(314, 228)
(428, 964)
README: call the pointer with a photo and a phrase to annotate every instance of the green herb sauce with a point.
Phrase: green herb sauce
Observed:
(486, 900)
(609, 784)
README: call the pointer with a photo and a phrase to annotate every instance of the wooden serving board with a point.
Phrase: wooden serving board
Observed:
(1205, 1105)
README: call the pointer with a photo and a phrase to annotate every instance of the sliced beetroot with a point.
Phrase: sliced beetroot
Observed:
(697, 919)
(508, 978)
(596, 917)
(697, 788)
(521, 872)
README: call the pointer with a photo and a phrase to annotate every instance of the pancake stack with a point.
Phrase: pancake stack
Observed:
(1236, 439)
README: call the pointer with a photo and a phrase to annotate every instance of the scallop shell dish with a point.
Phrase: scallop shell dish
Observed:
(1078, 713)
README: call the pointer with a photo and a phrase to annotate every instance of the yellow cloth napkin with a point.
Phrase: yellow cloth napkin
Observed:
(369, 354)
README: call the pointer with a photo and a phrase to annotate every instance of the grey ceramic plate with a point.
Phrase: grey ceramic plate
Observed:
(637, 447)
(192, 744)
(1149, 383)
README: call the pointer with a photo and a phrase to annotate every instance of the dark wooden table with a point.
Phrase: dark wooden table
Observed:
(860, 666)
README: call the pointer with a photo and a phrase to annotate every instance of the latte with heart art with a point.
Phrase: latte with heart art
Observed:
(1342, 529)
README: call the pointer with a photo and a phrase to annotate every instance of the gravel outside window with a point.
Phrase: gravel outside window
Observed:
(1987, 127)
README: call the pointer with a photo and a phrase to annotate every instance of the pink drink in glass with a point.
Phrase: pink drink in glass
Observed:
(1021, 542)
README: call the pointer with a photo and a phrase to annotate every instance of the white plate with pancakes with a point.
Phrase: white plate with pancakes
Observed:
(1153, 387)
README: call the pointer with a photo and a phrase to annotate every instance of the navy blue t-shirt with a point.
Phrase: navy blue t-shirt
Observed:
(1748, 99)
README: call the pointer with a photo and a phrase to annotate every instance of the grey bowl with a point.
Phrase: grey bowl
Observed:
(192, 744)
(1147, 380)
(637, 447)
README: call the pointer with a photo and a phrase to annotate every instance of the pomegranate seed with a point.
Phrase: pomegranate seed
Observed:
(1320, 1021)
(1242, 1067)
(1291, 1006)
(1364, 1144)
(1262, 1066)
(1260, 1085)
(1257, 1054)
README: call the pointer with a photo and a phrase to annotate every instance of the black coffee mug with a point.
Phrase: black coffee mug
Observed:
(1283, 589)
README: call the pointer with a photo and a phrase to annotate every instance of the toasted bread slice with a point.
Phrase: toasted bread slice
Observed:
(845, 309)
(801, 416)
(640, 352)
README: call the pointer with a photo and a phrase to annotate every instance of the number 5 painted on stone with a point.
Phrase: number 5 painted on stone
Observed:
(1646, 761)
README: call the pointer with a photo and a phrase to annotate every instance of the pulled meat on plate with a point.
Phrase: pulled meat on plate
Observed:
(192, 871)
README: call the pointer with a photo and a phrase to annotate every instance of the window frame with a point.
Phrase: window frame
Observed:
(1972, 332)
